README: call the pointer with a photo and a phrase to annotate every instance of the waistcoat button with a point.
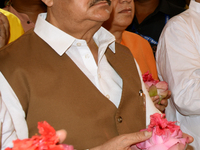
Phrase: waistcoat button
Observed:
(119, 119)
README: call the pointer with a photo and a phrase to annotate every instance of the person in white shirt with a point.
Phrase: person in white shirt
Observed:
(178, 63)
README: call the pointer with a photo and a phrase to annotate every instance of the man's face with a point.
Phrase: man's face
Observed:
(123, 12)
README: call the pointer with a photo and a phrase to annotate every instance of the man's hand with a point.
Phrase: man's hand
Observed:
(163, 103)
(121, 142)
(62, 134)
(190, 138)
(4, 30)
(124, 142)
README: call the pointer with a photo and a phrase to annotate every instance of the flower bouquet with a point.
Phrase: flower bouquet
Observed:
(166, 135)
(155, 87)
(48, 140)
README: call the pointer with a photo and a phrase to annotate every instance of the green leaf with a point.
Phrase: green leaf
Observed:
(152, 91)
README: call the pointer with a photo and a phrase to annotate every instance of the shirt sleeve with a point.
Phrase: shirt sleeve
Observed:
(12, 116)
(178, 63)
(7, 127)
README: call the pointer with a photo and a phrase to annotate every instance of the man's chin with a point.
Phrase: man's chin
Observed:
(101, 18)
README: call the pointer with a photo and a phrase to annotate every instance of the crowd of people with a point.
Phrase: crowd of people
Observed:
(79, 65)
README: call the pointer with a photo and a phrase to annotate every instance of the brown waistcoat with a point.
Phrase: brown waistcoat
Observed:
(52, 88)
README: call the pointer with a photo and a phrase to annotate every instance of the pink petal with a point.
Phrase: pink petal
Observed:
(148, 84)
(162, 85)
(156, 139)
(162, 93)
(171, 142)
(158, 147)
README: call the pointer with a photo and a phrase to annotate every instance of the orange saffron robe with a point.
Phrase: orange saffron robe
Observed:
(142, 52)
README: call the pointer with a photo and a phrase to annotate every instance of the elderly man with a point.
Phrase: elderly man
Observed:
(70, 72)
(178, 63)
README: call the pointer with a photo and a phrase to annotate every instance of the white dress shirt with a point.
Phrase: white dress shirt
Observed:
(178, 63)
(103, 76)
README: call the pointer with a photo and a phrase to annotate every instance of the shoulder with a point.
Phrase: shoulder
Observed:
(22, 39)
(18, 48)
(179, 22)
(133, 39)
(131, 35)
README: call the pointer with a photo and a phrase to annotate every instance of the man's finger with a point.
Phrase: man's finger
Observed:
(190, 138)
(155, 98)
(62, 134)
(137, 137)
(169, 94)
(164, 102)
(160, 107)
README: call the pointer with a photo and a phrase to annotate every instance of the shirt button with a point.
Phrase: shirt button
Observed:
(119, 119)
(78, 44)
(108, 96)
(140, 93)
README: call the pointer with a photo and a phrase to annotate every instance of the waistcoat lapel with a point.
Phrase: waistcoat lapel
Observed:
(123, 63)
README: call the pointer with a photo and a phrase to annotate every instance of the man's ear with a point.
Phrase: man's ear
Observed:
(49, 3)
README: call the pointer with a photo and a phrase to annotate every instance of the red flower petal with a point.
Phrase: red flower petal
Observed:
(48, 140)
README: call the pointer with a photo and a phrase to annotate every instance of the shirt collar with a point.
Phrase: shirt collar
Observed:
(61, 41)
(195, 6)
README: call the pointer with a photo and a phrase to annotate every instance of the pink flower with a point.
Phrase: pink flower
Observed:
(166, 135)
(48, 140)
(148, 77)
(162, 89)
(154, 87)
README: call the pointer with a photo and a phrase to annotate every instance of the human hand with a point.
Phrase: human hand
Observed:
(180, 146)
(125, 141)
(190, 138)
(4, 30)
(163, 102)
(62, 134)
